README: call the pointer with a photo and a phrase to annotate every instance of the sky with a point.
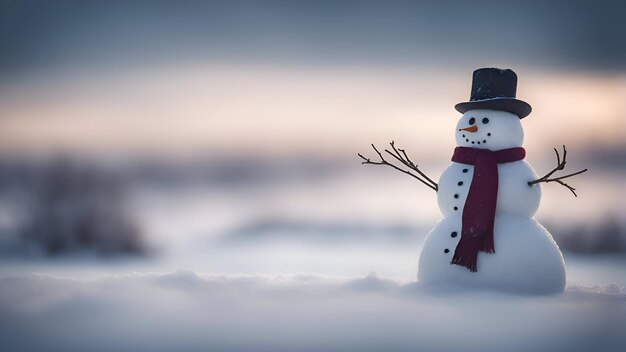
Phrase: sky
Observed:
(119, 33)
(280, 78)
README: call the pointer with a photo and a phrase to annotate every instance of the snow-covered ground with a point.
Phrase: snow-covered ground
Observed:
(304, 264)
(187, 311)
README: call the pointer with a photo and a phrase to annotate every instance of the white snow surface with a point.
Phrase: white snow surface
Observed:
(188, 311)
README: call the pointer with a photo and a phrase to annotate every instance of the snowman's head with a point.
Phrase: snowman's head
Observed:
(489, 129)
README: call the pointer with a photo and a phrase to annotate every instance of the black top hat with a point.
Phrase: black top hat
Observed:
(494, 89)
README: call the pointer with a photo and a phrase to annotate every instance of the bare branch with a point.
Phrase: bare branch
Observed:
(568, 186)
(402, 158)
(407, 157)
(408, 163)
(560, 166)
(558, 159)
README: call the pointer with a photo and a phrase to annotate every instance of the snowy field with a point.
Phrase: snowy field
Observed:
(322, 265)
(297, 312)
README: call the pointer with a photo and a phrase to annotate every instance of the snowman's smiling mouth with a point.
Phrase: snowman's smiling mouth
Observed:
(474, 141)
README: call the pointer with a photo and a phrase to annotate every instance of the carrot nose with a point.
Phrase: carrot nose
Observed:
(470, 129)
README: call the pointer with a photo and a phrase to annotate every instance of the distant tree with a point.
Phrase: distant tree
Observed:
(77, 207)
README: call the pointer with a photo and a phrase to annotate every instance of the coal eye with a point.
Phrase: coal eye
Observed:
(485, 120)
(472, 121)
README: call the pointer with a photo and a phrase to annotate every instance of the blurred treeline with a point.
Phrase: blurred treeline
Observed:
(60, 205)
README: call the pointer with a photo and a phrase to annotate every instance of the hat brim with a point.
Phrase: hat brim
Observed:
(512, 105)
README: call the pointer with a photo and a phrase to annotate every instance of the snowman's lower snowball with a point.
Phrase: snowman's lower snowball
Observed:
(527, 259)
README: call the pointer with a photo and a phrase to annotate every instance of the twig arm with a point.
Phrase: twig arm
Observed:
(404, 159)
(560, 166)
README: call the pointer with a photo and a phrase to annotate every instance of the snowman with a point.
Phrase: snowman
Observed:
(489, 195)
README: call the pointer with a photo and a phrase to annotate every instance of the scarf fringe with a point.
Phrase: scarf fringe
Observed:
(468, 262)
(466, 253)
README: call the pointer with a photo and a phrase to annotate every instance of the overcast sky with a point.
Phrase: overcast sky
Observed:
(50, 35)
(276, 76)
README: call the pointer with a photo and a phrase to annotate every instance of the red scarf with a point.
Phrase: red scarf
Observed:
(479, 211)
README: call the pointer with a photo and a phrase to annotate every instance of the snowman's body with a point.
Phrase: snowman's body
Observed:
(526, 258)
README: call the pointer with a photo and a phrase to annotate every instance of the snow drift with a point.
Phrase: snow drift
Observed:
(303, 312)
